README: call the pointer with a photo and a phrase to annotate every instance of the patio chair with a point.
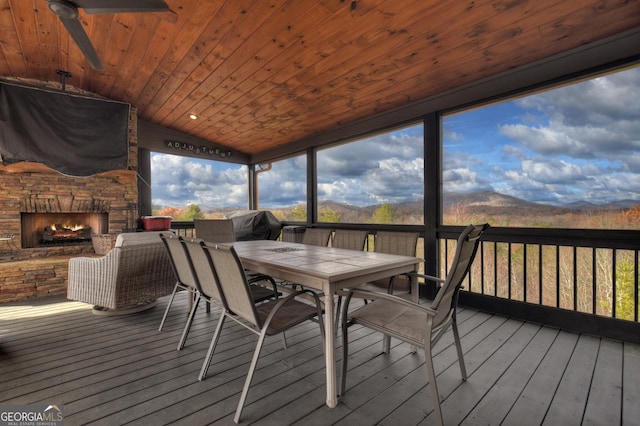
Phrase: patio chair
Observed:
(129, 278)
(208, 288)
(349, 239)
(185, 280)
(401, 243)
(313, 237)
(215, 230)
(418, 325)
(316, 236)
(222, 231)
(266, 319)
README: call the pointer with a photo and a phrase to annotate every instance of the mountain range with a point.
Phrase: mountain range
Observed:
(486, 202)
(495, 199)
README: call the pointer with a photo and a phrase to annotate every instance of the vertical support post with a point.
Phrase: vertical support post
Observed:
(312, 187)
(252, 181)
(432, 198)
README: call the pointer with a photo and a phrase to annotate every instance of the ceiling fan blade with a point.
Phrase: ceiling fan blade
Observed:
(79, 35)
(121, 6)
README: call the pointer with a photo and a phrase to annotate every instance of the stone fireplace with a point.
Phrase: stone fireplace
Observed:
(46, 210)
(54, 229)
(34, 199)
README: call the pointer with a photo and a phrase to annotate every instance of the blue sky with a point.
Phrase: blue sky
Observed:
(387, 168)
(576, 143)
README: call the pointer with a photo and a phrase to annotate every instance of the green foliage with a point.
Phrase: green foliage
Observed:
(192, 212)
(329, 215)
(625, 294)
(299, 214)
(383, 214)
(279, 214)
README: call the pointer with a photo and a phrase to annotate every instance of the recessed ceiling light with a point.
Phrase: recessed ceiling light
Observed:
(193, 116)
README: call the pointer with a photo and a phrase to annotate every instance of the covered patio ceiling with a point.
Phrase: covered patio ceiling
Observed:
(263, 74)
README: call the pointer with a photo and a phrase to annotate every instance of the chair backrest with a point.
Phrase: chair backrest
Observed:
(233, 282)
(202, 269)
(316, 236)
(349, 239)
(467, 246)
(127, 239)
(402, 243)
(179, 259)
(140, 269)
(215, 230)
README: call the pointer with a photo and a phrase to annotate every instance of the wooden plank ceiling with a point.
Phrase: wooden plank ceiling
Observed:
(263, 73)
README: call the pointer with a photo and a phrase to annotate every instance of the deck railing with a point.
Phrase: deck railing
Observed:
(184, 228)
(588, 271)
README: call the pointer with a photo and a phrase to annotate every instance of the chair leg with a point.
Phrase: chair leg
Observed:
(428, 360)
(166, 311)
(386, 344)
(252, 368)
(456, 336)
(212, 347)
(338, 313)
(187, 326)
(345, 357)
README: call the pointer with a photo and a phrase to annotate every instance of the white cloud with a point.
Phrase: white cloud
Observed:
(578, 142)
(546, 141)
(555, 171)
(463, 180)
(595, 119)
(179, 181)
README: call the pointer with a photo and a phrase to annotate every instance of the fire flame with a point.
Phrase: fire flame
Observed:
(75, 227)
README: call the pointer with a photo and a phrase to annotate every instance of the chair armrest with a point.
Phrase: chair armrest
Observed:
(92, 280)
(414, 274)
(426, 277)
(375, 295)
(291, 297)
(253, 281)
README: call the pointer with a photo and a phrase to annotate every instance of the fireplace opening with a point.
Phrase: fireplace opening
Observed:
(57, 229)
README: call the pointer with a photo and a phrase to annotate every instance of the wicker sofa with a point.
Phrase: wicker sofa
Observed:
(129, 278)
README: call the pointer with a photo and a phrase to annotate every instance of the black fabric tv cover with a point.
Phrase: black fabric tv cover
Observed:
(75, 135)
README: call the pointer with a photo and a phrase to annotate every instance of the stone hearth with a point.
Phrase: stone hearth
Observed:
(115, 192)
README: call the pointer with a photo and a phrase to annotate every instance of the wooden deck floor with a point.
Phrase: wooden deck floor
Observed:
(121, 370)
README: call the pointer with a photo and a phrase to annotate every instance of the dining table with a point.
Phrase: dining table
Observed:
(327, 270)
